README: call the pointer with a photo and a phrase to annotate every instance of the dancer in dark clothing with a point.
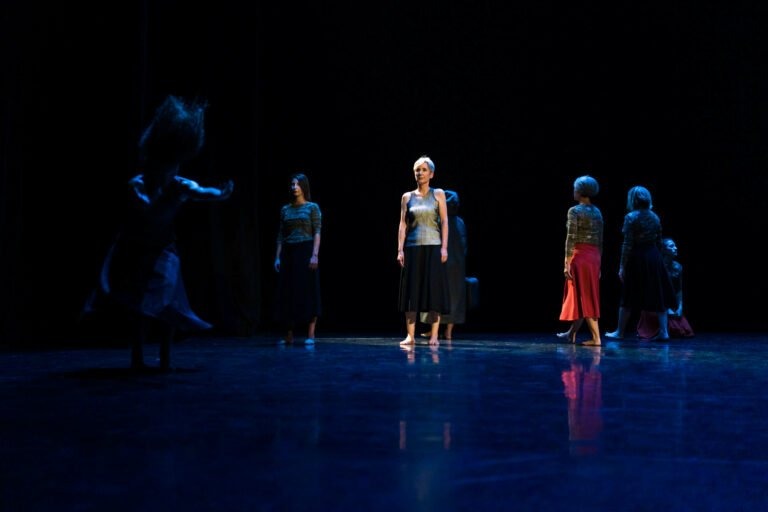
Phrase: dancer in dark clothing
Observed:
(645, 281)
(648, 325)
(455, 268)
(142, 271)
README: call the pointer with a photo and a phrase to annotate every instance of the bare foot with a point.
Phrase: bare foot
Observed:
(408, 341)
(592, 343)
(567, 335)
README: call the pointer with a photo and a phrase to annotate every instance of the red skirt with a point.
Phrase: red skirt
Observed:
(581, 295)
(648, 326)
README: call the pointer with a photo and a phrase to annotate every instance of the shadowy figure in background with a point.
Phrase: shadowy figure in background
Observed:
(422, 250)
(456, 267)
(296, 262)
(142, 271)
(583, 256)
(645, 281)
(648, 326)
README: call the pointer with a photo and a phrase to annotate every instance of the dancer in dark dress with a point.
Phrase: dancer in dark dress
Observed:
(648, 325)
(645, 281)
(456, 268)
(142, 271)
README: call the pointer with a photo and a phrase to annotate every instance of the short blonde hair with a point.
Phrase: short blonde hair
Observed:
(424, 159)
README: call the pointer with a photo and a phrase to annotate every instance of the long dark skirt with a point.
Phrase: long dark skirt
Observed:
(298, 286)
(424, 281)
(647, 285)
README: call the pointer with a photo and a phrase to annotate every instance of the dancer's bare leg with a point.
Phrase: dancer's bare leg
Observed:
(623, 319)
(570, 334)
(663, 325)
(433, 337)
(594, 330)
(410, 328)
(311, 328)
(448, 331)
(430, 318)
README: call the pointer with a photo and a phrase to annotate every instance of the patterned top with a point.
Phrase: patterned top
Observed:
(640, 227)
(584, 226)
(299, 223)
(423, 218)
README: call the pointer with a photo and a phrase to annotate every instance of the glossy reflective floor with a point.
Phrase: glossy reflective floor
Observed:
(491, 422)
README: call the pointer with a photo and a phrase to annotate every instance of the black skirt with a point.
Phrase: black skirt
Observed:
(647, 285)
(424, 281)
(298, 286)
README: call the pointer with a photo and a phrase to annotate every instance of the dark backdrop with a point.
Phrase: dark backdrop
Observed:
(512, 101)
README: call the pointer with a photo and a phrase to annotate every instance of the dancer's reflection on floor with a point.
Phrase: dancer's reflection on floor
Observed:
(583, 389)
(426, 354)
(434, 352)
(425, 435)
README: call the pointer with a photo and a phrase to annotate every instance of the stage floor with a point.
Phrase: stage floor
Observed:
(515, 421)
